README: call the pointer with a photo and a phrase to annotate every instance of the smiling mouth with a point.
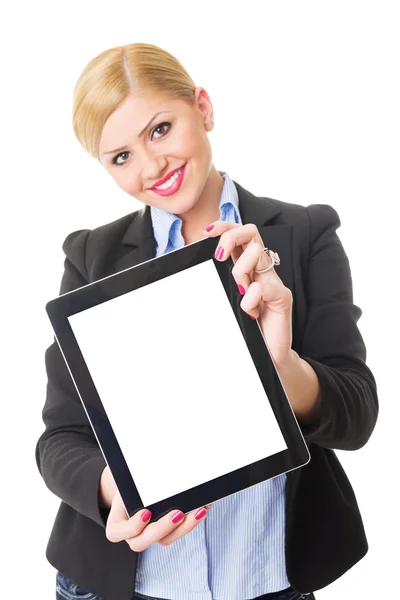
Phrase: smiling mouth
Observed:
(169, 183)
(172, 185)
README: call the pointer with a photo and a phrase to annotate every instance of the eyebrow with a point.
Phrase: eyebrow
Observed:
(140, 134)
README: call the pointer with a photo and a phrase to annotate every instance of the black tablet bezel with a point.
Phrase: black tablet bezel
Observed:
(122, 282)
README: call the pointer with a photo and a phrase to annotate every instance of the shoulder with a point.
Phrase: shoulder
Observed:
(82, 244)
(308, 222)
(299, 215)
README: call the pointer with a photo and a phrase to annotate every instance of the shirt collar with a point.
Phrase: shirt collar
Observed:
(164, 222)
(229, 195)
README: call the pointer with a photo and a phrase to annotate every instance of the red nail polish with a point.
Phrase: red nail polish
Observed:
(219, 253)
(241, 289)
(209, 228)
(200, 514)
(177, 516)
(251, 317)
(146, 515)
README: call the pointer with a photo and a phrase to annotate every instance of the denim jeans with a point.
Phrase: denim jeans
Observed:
(68, 590)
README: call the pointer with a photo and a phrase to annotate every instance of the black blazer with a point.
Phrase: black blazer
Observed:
(324, 530)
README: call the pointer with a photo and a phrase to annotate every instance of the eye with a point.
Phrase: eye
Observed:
(162, 128)
(115, 159)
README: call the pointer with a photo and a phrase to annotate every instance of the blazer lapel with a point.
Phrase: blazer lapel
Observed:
(138, 243)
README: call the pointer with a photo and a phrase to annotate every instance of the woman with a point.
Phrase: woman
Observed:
(137, 110)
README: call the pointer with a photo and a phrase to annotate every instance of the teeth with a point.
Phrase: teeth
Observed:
(167, 184)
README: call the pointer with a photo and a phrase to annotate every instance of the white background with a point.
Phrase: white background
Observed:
(306, 104)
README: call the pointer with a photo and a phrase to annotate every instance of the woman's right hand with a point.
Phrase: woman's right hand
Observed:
(137, 531)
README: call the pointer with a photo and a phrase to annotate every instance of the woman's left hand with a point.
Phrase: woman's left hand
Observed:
(264, 295)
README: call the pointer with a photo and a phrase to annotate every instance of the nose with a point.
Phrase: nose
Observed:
(152, 166)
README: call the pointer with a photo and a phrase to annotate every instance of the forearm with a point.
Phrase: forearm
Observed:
(302, 388)
(71, 468)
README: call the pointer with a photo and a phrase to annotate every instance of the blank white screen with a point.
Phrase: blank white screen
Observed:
(178, 383)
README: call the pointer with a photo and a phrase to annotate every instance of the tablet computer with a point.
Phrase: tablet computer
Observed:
(177, 381)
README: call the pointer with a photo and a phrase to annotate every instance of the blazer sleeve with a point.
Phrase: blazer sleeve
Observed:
(67, 453)
(332, 343)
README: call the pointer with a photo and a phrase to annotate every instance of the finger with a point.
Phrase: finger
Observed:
(250, 303)
(245, 265)
(235, 237)
(218, 228)
(119, 526)
(156, 531)
(193, 519)
(274, 294)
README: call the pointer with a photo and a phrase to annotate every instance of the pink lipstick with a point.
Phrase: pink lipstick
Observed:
(170, 187)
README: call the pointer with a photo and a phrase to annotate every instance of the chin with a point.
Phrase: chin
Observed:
(178, 207)
(177, 204)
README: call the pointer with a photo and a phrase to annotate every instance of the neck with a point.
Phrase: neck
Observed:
(206, 209)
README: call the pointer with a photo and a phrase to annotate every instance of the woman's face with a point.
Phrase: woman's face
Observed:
(151, 136)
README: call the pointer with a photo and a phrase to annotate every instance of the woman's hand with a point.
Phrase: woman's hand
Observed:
(139, 534)
(264, 295)
(268, 300)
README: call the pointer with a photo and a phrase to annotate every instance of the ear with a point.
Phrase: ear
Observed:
(205, 107)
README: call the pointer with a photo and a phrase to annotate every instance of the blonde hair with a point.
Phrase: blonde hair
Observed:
(108, 79)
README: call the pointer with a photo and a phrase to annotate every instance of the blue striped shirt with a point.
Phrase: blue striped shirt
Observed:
(238, 551)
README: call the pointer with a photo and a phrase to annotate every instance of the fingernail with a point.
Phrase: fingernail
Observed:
(208, 228)
(241, 289)
(146, 515)
(177, 516)
(219, 253)
(251, 317)
(200, 513)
